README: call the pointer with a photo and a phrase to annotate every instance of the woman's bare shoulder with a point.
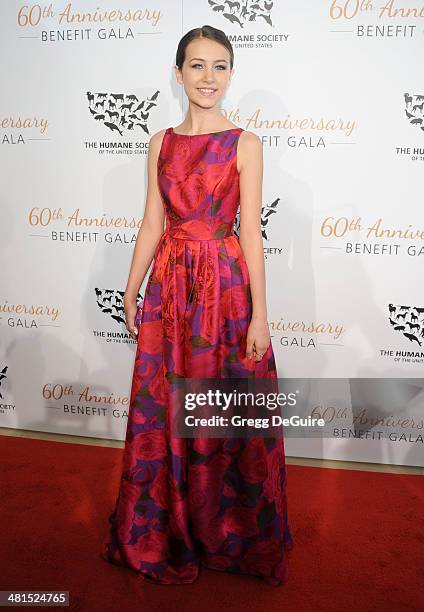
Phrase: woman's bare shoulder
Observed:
(249, 139)
(155, 144)
(156, 138)
(249, 149)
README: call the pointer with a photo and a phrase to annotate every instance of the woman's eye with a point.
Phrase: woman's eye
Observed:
(195, 65)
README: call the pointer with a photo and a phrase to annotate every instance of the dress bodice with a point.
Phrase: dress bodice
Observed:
(199, 183)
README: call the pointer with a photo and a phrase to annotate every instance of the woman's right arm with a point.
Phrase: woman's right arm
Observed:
(149, 234)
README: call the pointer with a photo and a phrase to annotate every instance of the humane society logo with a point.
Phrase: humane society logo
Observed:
(414, 105)
(266, 213)
(3, 378)
(250, 23)
(408, 321)
(111, 303)
(120, 112)
(241, 13)
(5, 407)
(267, 216)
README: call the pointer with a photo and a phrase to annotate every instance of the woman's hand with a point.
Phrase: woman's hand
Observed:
(258, 339)
(130, 308)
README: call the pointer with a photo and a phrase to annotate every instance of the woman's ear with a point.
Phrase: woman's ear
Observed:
(178, 75)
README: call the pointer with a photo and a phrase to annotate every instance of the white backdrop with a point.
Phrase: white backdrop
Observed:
(332, 90)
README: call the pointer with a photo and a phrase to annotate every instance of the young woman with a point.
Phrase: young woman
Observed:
(183, 503)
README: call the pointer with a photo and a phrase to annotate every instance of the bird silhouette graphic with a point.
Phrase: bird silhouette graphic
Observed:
(3, 377)
(121, 112)
(266, 212)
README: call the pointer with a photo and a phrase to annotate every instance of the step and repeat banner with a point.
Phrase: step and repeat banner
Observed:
(333, 91)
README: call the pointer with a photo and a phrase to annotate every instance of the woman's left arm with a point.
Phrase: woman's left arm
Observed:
(250, 162)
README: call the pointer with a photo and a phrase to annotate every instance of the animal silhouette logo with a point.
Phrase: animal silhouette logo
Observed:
(409, 321)
(121, 112)
(266, 214)
(3, 377)
(244, 11)
(111, 302)
(414, 109)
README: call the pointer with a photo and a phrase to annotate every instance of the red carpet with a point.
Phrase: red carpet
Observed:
(358, 538)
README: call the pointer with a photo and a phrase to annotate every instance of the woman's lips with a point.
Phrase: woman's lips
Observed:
(205, 91)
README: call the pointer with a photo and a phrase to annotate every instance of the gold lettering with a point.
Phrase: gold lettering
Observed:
(377, 230)
(317, 328)
(87, 396)
(21, 123)
(30, 310)
(388, 10)
(305, 123)
(76, 220)
(69, 16)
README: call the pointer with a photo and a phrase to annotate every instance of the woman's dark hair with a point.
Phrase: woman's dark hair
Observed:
(205, 31)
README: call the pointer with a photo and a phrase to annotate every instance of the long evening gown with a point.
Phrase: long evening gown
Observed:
(185, 503)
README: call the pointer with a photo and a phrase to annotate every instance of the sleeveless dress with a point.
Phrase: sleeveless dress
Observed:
(185, 503)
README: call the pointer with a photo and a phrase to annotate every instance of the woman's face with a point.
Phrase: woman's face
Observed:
(205, 72)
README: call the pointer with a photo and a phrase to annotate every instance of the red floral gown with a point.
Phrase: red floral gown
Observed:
(183, 502)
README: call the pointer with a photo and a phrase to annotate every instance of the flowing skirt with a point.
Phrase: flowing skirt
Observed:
(187, 502)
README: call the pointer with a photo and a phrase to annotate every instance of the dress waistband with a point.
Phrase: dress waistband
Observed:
(184, 235)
